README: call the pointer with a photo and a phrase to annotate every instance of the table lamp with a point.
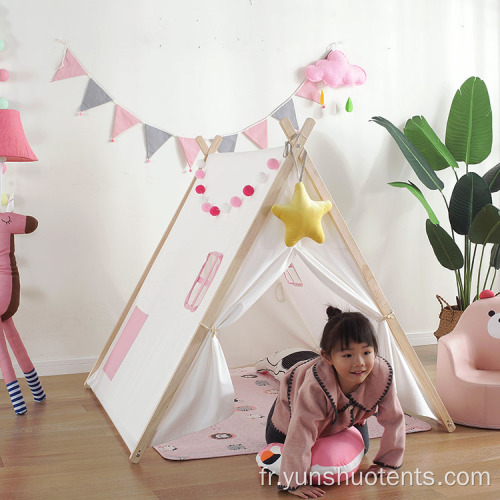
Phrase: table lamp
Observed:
(14, 146)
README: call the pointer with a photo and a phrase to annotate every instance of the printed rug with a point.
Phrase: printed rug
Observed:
(243, 432)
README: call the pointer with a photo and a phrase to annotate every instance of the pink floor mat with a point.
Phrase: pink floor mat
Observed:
(243, 432)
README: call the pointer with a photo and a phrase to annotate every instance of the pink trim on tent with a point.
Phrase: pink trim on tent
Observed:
(127, 338)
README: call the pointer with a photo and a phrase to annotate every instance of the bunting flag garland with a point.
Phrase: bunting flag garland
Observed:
(258, 134)
(155, 138)
(190, 148)
(94, 96)
(309, 90)
(69, 68)
(228, 144)
(287, 111)
(123, 121)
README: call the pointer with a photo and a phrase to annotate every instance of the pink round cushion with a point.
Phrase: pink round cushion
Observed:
(333, 458)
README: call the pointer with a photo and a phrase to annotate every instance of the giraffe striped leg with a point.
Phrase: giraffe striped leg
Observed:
(16, 396)
(35, 386)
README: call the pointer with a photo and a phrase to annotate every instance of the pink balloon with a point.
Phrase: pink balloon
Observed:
(206, 207)
(4, 75)
(199, 174)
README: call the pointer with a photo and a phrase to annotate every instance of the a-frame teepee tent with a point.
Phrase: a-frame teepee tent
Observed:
(215, 295)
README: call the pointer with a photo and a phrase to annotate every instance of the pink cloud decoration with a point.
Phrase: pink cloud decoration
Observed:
(336, 71)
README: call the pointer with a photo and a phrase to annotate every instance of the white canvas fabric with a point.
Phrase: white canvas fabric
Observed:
(260, 313)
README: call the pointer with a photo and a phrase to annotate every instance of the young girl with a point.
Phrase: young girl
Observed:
(324, 395)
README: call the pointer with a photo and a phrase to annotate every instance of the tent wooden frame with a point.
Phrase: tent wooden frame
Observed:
(297, 142)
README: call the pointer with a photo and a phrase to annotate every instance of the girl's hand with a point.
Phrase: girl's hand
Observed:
(307, 491)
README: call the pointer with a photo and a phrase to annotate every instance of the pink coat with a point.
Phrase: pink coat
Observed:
(312, 405)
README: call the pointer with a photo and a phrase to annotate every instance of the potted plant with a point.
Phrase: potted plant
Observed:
(471, 247)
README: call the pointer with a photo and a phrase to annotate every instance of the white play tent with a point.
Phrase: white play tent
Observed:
(215, 296)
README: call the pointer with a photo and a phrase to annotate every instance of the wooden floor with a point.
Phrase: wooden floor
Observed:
(66, 448)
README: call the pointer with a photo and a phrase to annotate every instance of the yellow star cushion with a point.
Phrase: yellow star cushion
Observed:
(302, 217)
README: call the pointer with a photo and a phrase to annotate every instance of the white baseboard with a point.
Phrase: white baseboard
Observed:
(421, 338)
(59, 367)
(85, 365)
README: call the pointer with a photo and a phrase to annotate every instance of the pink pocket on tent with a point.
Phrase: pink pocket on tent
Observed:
(292, 276)
(203, 281)
(127, 338)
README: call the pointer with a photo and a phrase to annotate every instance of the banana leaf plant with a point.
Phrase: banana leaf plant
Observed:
(474, 222)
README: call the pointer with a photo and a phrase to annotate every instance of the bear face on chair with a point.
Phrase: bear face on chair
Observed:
(494, 324)
(481, 322)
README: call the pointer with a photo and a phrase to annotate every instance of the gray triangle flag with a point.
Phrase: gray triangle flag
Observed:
(228, 144)
(94, 96)
(155, 139)
(287, 111)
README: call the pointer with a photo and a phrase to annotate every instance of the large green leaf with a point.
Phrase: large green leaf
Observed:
(495, 256)
(420, 133)
(419, 164)
(446, 250)
(492, 178)
(469, 129)
(418, 194)
(486, 226)
(469, 196)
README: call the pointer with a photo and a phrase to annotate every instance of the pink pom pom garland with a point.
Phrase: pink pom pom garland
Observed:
(235, 201)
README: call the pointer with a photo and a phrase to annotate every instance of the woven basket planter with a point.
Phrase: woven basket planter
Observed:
(448, 318)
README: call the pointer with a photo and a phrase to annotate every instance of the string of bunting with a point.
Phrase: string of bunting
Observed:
(95, 96)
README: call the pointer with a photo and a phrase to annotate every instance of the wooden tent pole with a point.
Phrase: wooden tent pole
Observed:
(377, 294)
(206, 151)
(214, 309)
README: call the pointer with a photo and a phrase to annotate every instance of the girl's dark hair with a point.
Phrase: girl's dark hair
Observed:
(344, 328)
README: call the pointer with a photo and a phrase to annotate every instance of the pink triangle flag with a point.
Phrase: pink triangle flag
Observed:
(258, 134)
(69, 68)
(190, 148)
(309, 91)
(123, 121)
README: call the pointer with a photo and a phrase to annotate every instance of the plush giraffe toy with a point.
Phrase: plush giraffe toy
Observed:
(10, 224)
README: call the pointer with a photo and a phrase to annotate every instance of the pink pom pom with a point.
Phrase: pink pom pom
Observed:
(235, 201)
(273, 164)
(200, 189)
(486, 294)
(206, 207)
(214, 211)
(248, 190)
(199, 174)
(4, 75)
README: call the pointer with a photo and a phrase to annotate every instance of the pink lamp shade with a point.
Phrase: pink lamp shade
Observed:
(13, 143)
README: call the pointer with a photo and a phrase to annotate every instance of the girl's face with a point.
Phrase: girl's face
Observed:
(352, 365)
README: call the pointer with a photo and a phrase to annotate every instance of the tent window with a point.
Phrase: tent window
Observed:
(203, 281)
(292, 276)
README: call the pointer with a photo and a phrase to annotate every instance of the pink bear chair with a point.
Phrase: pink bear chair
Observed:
(468, 365)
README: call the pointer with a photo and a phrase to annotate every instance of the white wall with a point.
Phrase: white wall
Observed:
(199, 67)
